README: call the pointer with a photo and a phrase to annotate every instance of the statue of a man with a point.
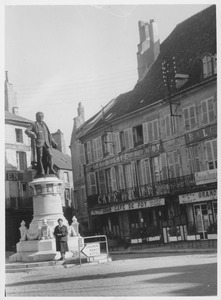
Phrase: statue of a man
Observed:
(42, 143)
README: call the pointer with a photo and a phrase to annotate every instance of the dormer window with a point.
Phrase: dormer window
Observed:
(209, 65)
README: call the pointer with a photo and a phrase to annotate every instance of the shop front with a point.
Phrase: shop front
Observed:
(201, 209)
(125, 219)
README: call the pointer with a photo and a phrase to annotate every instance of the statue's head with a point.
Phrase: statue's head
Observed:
(39, 116)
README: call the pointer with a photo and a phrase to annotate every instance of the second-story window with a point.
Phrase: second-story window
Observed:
(21, 160)
(19, 135)
(126, 139)
(91, 184)
(138, 135)
(211, 153)
(208, 111)
(174, 164)
(101, 182)
(194, 158)
(97, 148)
(189, 115)
(108, 143)
(117, 144)
(88, 152)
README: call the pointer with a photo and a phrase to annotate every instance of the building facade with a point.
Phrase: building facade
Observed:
(150, 159)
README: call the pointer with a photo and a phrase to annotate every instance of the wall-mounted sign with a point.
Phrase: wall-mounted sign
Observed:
(18, 176)
(128, 206)
(198, 197)
(153, 149)
(201, 134)
(205, 177)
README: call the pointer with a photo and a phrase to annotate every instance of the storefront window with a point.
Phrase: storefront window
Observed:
(215, 211)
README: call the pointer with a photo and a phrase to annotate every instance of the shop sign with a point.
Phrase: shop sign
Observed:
(128, 206)
(153, 149)
(13, 176)
(201, 134)
(198, 197)
(205, 177)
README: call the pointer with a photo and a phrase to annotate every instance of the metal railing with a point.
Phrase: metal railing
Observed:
(93, 240)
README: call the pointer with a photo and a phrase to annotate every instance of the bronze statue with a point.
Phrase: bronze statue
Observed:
(42, 143)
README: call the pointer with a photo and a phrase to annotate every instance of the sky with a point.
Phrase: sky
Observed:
(59, 55)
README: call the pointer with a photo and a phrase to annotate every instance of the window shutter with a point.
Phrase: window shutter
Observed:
(167, 121)
(171, 164)
(126, 138)
(89, 192)
(209, 155)
(186, 119)
(130, 134)
(113, 179)
(93, 183)
(128, 177)
(95, 149)
(100, 150)
(177, 163)
(121, 177)
(211, 110)
(89, 152)
(148, 171)
(155, 130)
(163, 166)
(133, 173)
(204, 112)
(150, 132)
(117, 142)
(214, 143)
(142, 172)
(162, 128)
(82, 154)
(192, 116)
(145, 133)
(110, 143)
(101, 179)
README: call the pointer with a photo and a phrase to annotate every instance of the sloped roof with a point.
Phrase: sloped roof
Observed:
(12, 117)
(61, 160)
(187, 43)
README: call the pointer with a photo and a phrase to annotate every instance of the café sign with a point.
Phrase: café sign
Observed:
(205, 177)
(128, 206)
(198, 197)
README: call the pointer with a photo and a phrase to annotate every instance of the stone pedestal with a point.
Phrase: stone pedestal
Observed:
(37, 243)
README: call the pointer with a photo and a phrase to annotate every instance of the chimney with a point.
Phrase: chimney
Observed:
(15, 110)
(59, 139)
(149, 47)
(81, 112)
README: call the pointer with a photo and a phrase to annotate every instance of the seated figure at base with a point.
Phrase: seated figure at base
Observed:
(42, 143)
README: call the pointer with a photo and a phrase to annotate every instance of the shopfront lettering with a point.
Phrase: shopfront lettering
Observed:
(129, 206)
(200, 134)
(119, 207)
(205, 177)
(153, 149)
(198, 197)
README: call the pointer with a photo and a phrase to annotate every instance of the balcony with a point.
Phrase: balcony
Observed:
(173, 186)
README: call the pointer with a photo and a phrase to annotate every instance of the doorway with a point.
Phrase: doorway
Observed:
(201, 219)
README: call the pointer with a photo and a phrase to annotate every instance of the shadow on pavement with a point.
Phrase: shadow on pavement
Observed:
(202, 278)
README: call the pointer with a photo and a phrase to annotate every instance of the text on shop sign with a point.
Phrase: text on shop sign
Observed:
(198, 197)
(128, 206)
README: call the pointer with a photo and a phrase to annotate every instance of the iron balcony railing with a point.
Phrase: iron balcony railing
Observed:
(173, 186)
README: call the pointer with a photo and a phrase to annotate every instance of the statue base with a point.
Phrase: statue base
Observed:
(45, 250)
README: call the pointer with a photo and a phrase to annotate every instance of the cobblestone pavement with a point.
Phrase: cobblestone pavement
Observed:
(126, 275)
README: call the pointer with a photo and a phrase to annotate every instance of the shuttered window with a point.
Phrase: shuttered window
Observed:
(21, 160)
(174, 164)
(117, 144)
(89, 152)
(208, 111)
(194, 158)
(207, 66)
(101, 182)
(128, 138)
(97, 148)
(211, 152)
(189, 115)
(91, 184)
(113, 179)
(150, 131)
(144, 171)
(128, 176)
(82, 154)
(120, 177)
(163, 166)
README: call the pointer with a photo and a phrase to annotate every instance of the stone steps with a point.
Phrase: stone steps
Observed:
(36, 266)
